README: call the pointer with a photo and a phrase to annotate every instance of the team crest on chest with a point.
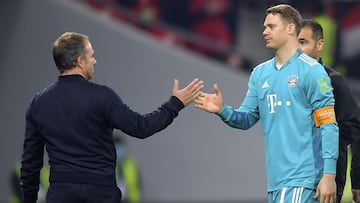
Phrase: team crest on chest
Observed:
(293, 80)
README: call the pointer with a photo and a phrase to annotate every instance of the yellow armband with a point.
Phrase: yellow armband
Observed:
(324, 115)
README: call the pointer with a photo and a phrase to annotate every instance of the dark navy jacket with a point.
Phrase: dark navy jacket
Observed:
(74, 119)
(348, 117)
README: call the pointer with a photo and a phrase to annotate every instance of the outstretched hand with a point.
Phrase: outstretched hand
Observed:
(211, 103)
(189, 93)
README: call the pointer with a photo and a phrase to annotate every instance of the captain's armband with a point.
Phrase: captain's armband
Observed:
(324, 116)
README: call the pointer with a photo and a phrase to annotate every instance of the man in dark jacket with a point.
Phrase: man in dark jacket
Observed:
(74, 119)
(346, 109)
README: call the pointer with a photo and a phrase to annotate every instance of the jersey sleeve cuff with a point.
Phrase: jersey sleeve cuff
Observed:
(225, 113)
(330, 166)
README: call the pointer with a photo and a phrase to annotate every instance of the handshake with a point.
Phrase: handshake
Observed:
(211, 103)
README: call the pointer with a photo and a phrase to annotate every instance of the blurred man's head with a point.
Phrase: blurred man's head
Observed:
(74, 51)
(310, 38)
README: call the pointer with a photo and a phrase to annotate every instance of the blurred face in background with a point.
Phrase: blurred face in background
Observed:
(308, 44)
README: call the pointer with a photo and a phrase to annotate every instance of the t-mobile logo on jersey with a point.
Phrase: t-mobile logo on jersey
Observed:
(273, 102)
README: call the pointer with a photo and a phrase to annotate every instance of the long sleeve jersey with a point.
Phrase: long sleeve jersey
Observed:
(74, 119)
(348, 118)
(297, 153)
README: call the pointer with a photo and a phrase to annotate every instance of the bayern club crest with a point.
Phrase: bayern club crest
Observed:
(292, 81)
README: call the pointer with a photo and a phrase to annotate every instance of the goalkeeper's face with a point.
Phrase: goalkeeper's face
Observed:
(275, 31)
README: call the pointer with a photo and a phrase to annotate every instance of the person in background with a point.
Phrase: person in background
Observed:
(127, 172)
(15, 196)
(292, 95)
(347, 111)
(326, 16)
(209, 22)
(75, 118)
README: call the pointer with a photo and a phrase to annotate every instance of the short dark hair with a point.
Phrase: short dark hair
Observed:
(288, 13)
(67, 48)
(315, 27)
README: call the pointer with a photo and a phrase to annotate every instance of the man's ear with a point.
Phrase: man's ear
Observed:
(80, 61)
(320, 45)
(291, 28)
